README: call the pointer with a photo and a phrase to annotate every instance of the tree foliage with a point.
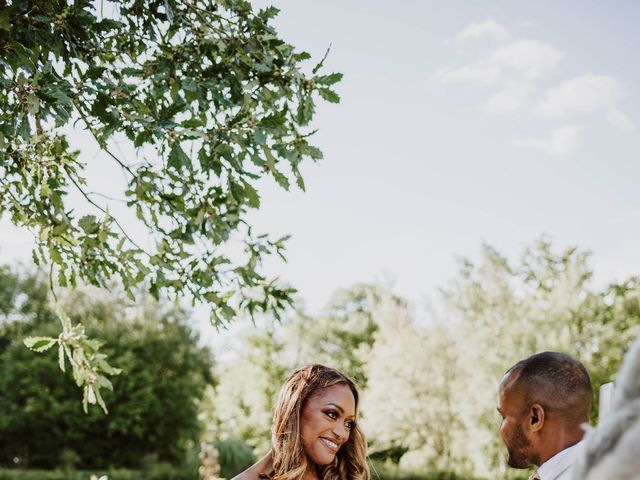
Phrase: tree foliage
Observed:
(429, 385)
(211, 98)
(409, 400)
(153, 408)
(505, 310)
(341, 335)
(240, 406)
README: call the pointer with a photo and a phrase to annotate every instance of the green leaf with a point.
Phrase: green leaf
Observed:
(269, 13)
(39, 344)
(282, 180)
(321, 62)
(88, 223)
(24, 129)
(33, 104)
(133, 72)
(227, 312)
(274, 121)
(271, 160)
(61, 356)
(329, 79)
(55, 256)
(236, 191)
(95, 72)
(85, 399)
(178, 159)
(22, 53)
(101, 401)
(259, 136)
(189, 85)
(5, 24)
(314, 152)
(329, 95)
(61, 96)
(252, 195)
(306, 109)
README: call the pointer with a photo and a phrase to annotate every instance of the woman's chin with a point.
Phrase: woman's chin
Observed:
(322, 460)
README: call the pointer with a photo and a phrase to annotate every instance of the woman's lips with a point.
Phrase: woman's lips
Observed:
(330, 444)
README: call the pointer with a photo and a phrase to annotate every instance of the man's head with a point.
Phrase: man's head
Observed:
(543, 400)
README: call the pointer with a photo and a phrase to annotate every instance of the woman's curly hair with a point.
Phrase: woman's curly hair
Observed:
(289, 460)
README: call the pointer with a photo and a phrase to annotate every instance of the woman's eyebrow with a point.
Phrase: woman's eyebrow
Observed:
(337, 406)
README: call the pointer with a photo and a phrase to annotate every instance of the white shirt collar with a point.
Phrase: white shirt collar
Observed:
(559, 463)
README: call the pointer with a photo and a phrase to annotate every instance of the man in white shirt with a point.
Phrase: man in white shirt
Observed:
(543, 401)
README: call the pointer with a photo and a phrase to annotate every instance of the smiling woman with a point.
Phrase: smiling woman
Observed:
(315, 435)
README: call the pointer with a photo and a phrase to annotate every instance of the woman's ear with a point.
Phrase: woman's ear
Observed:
(536, 417)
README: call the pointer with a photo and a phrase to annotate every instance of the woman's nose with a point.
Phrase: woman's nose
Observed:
(341, 431)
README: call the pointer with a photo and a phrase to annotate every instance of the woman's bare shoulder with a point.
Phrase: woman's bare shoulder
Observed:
(248, 474)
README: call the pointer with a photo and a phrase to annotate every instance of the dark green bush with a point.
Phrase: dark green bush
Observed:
(151, 410)
(69, 460)
(166, 471)
(235, 456)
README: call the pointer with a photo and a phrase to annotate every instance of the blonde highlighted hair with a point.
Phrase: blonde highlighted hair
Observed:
(288, 457)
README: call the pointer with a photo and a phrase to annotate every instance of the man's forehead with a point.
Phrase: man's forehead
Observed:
(507, 395)
(508, 380)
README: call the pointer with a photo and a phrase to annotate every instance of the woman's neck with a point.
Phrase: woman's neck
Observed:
(311, 472)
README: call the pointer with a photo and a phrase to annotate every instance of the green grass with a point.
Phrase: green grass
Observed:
(163, 473)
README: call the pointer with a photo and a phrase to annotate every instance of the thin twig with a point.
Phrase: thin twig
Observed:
(107, 197)
(103, 210)
(103, 144)
(55, 297)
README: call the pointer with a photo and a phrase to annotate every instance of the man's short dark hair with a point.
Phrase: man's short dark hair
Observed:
(558, 382)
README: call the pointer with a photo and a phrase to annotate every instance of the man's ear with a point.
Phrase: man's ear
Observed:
(536, 417)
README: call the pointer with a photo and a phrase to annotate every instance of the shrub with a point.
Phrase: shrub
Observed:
(166, 471)
(69, 460)
(235, 456)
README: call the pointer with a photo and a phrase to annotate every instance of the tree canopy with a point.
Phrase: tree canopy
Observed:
(211, 98)
(429, 382)
(152, 410)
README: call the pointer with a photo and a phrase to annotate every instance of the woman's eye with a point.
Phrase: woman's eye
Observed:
(331, 414)
(350, 425)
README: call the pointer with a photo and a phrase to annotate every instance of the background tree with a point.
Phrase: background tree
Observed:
(240, 406)
(430, 385)
(341, 335)
(606, 323)
(210, 98)
(504, 311)
(153, 409)
(407, 405)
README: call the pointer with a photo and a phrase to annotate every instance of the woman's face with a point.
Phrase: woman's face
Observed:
(327, 420)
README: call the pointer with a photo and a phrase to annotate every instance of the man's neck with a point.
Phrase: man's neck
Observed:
(561, 442)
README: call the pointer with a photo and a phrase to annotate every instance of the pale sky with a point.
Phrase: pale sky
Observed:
(460, 123)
